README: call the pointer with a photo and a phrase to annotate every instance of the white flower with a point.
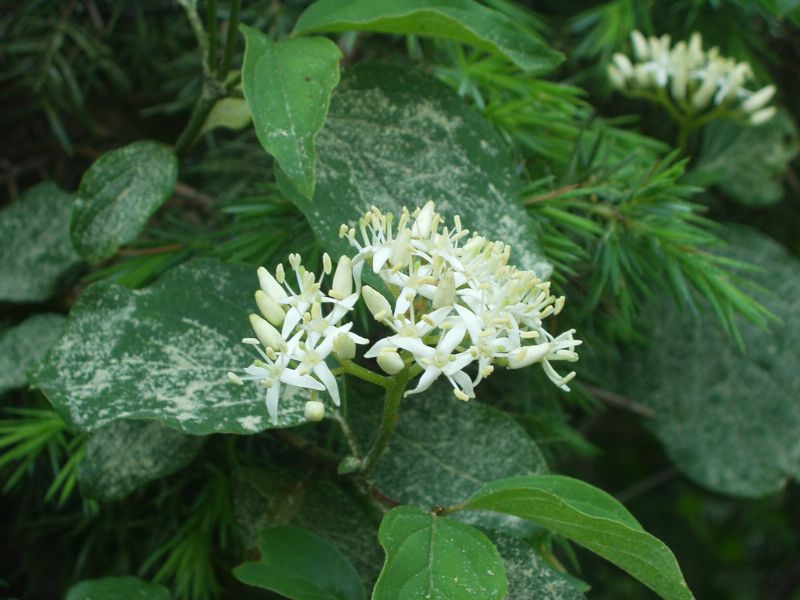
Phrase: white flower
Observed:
(459, 306)
(695, 79)
(311, 327)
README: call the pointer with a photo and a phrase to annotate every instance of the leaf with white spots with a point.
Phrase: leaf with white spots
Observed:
(728, 418)
(124, 455)
(443, 449)
(437, 558)
(529, 576)
(23, 346)
(36, 253)
(162, 353)
(117, 196)
(398, 138)
(287, 86)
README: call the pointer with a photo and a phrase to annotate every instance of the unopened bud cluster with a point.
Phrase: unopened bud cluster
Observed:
(456, 310)
(697, 80)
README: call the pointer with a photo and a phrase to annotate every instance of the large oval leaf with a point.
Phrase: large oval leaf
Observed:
(430, 557)
(117, 196)
(462, 20)
(396, 138)
(300, 565)
(35, 250)
(589, 517)
(443, 449)
(729, 419)
(287, 86)
(125, 455)
(23, 346)
(162, 353)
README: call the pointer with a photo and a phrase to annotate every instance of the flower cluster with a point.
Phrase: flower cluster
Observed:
(697, 80)
(311, 329)
(458, 310)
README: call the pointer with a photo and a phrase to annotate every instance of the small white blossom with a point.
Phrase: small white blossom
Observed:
(695, 79)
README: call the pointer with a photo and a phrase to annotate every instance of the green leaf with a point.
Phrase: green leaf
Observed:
(529, 576)
(747, 163)
(288, 86)
(124, 455)
(728, 419)
(23, 346)
(278, 496)
(117, 196)
(444, 449)
(36, 253)
(589, 517)
(117, 588)
(228, 113)
(300, 565)
(163, 353)
(396, 138)
(461, 20)
(436, 558)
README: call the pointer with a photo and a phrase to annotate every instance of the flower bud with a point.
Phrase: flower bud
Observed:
(422, 226)
(390, 361)
(527, 355)
(759, 99)
(270, 285)
(315, 410)
(376, 303)
(342, 279)
(234, 378)
(640, 48)
(623, 63)
(271, 310)
(763, 115)
(266, 333)
(445, 292)
(344, 347)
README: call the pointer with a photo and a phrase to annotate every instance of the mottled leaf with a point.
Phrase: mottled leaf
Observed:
(117, 588)
(124, 455)
(436, 558)
(162, 353)
(465, 21)
(117, 196)
(444, 449)
(287, 86)
(747, 163)
(529, 576)
(589, 517)
(396, 138)
(300, 565)
(728, 418)
(36, 253)
(279, 496)
(23, 346)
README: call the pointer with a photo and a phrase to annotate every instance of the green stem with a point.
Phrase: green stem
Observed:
(230, 40)
(211, 25)
(685, 128)
(391, 406)
(351, 368)
(208, 98)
